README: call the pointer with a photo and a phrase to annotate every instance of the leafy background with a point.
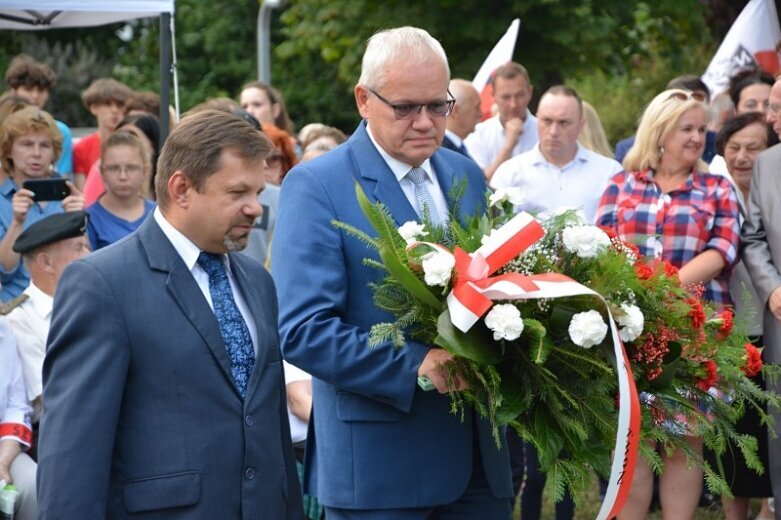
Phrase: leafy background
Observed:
(617, 53)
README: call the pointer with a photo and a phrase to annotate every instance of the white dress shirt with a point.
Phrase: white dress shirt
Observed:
(30, 323)
(298, 426)
(400, 171)
(546, 187)
(486, 141)
(189, 253)
(14, 407)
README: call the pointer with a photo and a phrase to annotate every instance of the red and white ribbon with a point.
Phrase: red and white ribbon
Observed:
(474, 290)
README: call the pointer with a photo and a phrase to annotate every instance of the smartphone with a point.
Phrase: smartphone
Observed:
(47, 189)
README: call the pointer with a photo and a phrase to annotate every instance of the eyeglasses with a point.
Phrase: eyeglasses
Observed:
(685, 96)
(130, 169)
(412, 110)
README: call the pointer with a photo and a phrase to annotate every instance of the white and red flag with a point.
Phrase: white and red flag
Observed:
(499, 55)
(750, 42)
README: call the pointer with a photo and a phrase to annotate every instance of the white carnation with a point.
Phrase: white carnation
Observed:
(587, 329)
(411, 231)
(585, 241)
(631, 320)
(438, 267)
(506, 322)
(513, 194)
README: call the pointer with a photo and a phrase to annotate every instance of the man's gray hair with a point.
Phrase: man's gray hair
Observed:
(402, 43)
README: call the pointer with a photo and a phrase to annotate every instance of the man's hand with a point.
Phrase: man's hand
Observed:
(434, 367)
(774, 303)
(513, 128)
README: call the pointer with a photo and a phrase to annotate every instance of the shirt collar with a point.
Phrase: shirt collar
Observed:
(7, 188)
(694, 176)
(581, 156)
(184, 246)
(457, 141)
(41, 301)
(399, 169)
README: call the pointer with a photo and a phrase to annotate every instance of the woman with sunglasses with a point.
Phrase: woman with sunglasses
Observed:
(666, 204)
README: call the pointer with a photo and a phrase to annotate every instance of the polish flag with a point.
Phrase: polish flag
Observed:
(499, 55)
(750, 42)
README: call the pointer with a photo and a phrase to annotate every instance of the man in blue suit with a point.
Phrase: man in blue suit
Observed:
(163, 389)
(380, 447)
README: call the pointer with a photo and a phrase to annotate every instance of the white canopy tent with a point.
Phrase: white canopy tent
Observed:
(35, 15)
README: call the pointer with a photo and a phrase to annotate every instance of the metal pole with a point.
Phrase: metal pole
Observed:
(165, 73)
(264, 38)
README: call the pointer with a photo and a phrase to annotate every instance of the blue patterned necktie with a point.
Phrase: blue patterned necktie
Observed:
(235, 333)
(423, 196)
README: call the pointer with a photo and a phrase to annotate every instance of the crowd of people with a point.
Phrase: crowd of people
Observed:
(213, 356)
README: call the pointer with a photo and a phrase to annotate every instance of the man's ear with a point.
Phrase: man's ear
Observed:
(362, 100)
(44, 261)
(180, 189)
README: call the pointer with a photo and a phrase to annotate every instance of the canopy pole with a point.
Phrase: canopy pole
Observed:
(165, 74)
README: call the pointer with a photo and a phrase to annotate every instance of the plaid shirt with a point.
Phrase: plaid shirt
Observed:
(700, 214)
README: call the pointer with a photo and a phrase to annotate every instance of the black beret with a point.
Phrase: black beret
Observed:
(51, 229)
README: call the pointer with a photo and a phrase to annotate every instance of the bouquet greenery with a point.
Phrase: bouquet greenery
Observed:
(545, 361)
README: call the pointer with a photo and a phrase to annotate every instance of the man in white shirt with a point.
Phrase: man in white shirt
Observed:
(514, 129)
(465, 115)
(558, 172)
(47, 247)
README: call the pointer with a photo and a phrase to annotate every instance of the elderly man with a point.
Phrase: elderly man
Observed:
(762, 257)
(382, 448)
(465, 115)
(514, 129)
(47, 247)
(558, 172)
(162, 383)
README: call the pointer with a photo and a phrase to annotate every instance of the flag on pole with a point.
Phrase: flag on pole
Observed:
(499, 55)
(750, 42)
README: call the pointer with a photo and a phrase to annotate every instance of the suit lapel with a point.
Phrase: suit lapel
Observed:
(253, 300)
(376, 179)
(185, 291)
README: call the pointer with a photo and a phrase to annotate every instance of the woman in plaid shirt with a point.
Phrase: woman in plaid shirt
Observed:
(666, 204)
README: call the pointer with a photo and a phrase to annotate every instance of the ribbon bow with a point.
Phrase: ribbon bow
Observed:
(466, 301)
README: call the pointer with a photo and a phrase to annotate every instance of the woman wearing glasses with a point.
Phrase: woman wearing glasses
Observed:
(667, 205)
(124, 165)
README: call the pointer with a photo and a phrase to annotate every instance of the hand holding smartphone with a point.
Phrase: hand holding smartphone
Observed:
(47, 189)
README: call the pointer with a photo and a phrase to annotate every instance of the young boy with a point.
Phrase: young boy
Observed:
(105, 98)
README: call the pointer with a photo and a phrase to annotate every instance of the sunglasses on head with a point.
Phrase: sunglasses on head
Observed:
(685, 96)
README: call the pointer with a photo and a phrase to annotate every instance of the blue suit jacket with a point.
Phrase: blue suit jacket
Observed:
(142, 418)
(376, 440)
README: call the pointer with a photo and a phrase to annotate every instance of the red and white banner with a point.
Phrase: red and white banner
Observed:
(474, 291)
(499, 55)
(750, 42)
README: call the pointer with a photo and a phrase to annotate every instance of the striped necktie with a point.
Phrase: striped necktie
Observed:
(423, 196)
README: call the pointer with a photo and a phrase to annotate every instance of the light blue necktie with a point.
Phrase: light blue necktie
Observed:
(423, 196)
(235, 333)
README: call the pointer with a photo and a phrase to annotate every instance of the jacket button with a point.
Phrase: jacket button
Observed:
(249, 420)
(249, 473)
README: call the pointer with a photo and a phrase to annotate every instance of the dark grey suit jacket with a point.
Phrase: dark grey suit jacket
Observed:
(142, 418)
(762, 256)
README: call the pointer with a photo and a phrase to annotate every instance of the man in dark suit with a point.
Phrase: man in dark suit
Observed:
(163, 390)
(380, 447)
(465, 115)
